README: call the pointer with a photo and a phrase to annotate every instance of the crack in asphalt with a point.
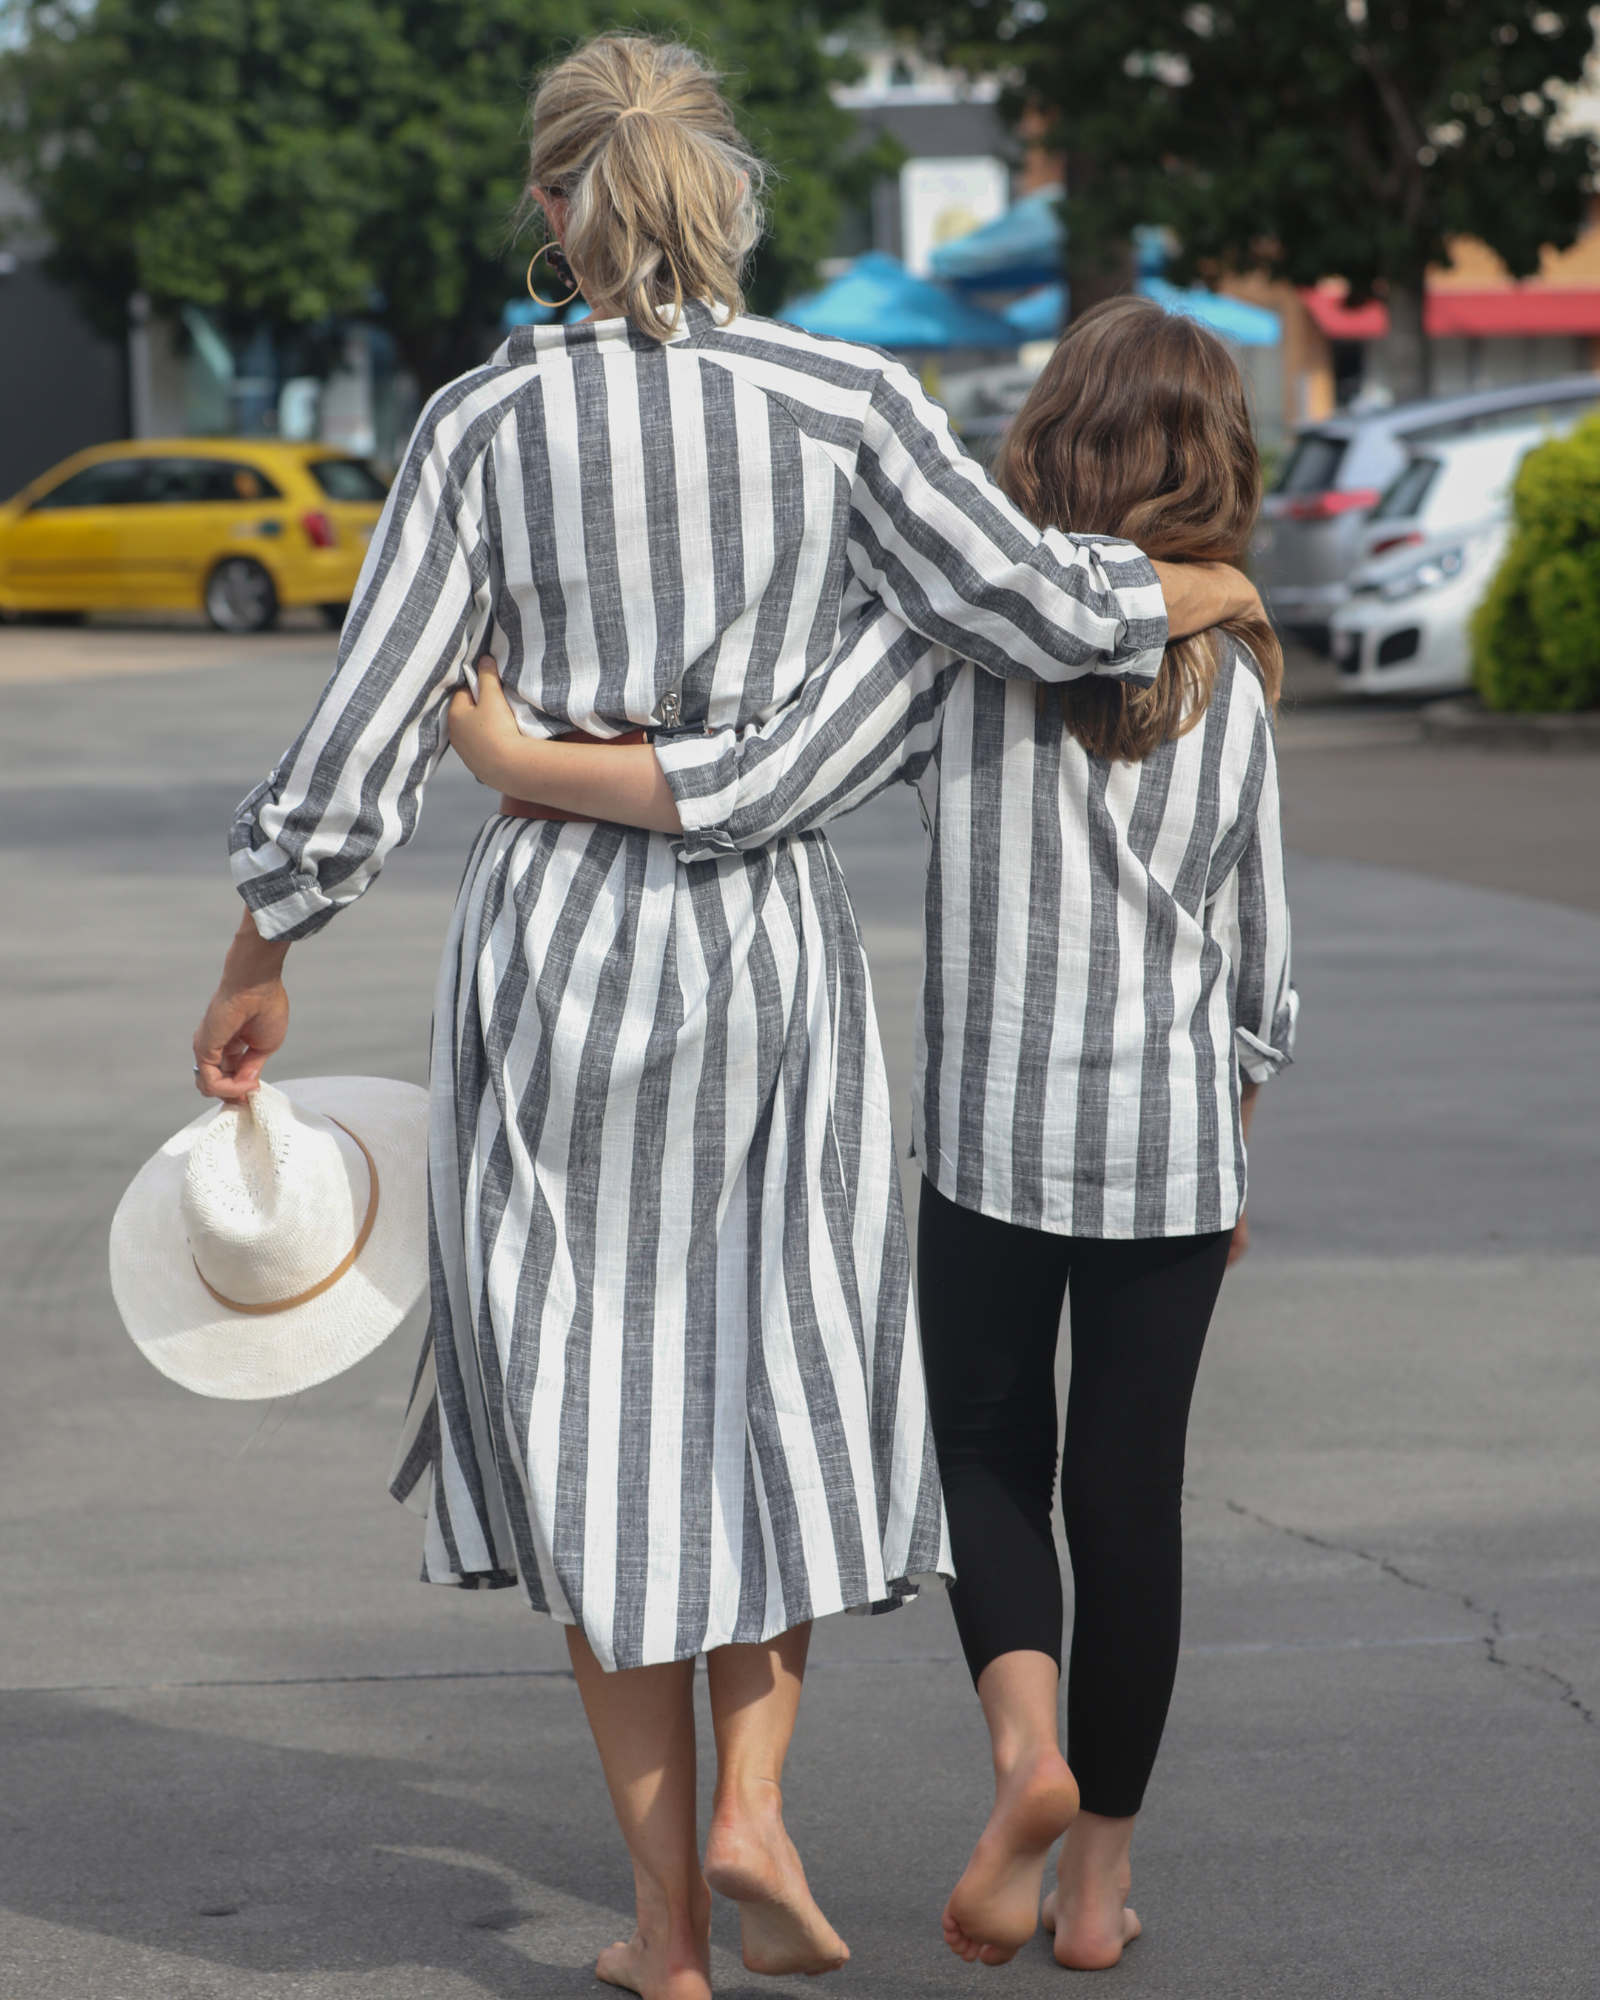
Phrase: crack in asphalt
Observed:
(1566, 1691)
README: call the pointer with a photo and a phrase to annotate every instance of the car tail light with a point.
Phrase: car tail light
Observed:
(320, 531)
(1395, 542)
(1325, 506)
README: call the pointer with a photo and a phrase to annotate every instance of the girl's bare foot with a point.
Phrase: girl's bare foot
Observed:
(663, 1960)
(1088, 1908)
(751, 1860)
(994, 1908)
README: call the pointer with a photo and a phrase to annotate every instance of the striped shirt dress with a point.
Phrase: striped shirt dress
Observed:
(671, 1385)
(1106, 945)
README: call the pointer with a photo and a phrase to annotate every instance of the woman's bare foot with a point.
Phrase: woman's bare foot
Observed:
(1088, 1908)
(994, 1908)
(751, 1860)
(634, 1965)
(663, 1960)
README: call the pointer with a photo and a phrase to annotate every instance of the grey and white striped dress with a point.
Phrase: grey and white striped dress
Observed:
(671, 1384)
(1106, 944)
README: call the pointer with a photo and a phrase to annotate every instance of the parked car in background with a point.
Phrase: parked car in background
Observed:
(239, 527)
(1313, 521)
(1433, 543)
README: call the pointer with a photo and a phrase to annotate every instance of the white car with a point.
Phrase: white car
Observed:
(1432, 544)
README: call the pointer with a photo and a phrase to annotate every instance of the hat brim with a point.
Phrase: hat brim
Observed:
(248, 1357)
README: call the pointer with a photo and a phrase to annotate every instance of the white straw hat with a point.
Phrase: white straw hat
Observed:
(273, 1243)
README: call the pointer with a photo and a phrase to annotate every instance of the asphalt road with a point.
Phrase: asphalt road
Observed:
(244, 1753)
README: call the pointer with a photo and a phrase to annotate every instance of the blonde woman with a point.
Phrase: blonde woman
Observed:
(671, 1386)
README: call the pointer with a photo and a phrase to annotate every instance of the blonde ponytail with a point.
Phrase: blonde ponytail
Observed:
(663, 193)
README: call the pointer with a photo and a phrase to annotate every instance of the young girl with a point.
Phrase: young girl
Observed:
(1106, 983)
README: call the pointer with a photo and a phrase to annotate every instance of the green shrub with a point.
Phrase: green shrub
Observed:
(1536, 636)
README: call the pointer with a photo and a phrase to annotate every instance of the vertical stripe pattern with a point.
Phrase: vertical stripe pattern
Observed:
(1106, 945)
(670, 1386)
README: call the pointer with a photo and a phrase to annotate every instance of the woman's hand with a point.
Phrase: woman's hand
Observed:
(247, 1019)
(1200, 595)
(483, 733)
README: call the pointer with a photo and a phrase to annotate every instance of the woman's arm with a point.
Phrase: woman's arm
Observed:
(1200, 595)
(933, 537)
(312, 838)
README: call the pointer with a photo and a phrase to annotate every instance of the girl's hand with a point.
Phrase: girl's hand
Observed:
(1240, 1241)
(483, 732)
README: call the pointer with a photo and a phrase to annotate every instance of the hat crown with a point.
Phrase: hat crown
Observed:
(274, 1195)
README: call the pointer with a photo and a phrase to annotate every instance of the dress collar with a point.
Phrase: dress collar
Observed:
(529, 343)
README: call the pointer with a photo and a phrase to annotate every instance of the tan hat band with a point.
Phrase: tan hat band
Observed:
(333, 1277)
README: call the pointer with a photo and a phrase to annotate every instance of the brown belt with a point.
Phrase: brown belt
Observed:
(511, 808)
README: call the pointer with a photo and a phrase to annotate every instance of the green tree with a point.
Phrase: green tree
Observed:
(1306, 137)
(285, 163)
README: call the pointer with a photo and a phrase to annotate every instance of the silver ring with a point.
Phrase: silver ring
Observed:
(196, 1068)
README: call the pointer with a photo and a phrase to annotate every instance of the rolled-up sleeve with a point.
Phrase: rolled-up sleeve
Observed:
(312, 838)
(870, 715)
(939, 543)
(1251, 918)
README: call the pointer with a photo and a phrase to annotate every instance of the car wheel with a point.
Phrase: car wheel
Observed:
(240, 596)
(333, 614)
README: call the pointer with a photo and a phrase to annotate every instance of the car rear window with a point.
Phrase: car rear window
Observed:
(176, 482)
(347, 479)
(1312, 465)
(1565, 410)
(1407, 491)
(112, 484)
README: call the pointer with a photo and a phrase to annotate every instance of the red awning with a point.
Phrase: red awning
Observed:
(1481, 315)
(1515, 309)
(1341, 322)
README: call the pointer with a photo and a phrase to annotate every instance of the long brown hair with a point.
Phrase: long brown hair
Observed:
(1139, 428)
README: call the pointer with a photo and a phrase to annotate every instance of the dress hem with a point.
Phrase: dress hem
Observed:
(900, 1591)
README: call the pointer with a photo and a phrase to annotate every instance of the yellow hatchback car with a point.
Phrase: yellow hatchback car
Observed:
(237, 526)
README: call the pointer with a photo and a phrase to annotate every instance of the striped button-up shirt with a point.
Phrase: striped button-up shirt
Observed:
(639, 530)
(1107, 944)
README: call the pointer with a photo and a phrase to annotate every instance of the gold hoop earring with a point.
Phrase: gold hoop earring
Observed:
(550, 305)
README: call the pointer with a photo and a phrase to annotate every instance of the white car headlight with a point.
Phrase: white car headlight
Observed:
(1442, 567)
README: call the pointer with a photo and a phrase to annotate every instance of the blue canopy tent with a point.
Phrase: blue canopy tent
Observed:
(1038, 315)
(877, 301)
(534, 312)
(1235, 319)
(1021, 247)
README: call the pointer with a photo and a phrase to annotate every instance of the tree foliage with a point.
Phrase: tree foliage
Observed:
(1307, 137)
(286, 163)
(1536, 636)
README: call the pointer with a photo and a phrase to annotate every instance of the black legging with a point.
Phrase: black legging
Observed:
(989, 1297)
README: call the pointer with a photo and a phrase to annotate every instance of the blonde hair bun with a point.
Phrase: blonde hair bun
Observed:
(663, 192)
